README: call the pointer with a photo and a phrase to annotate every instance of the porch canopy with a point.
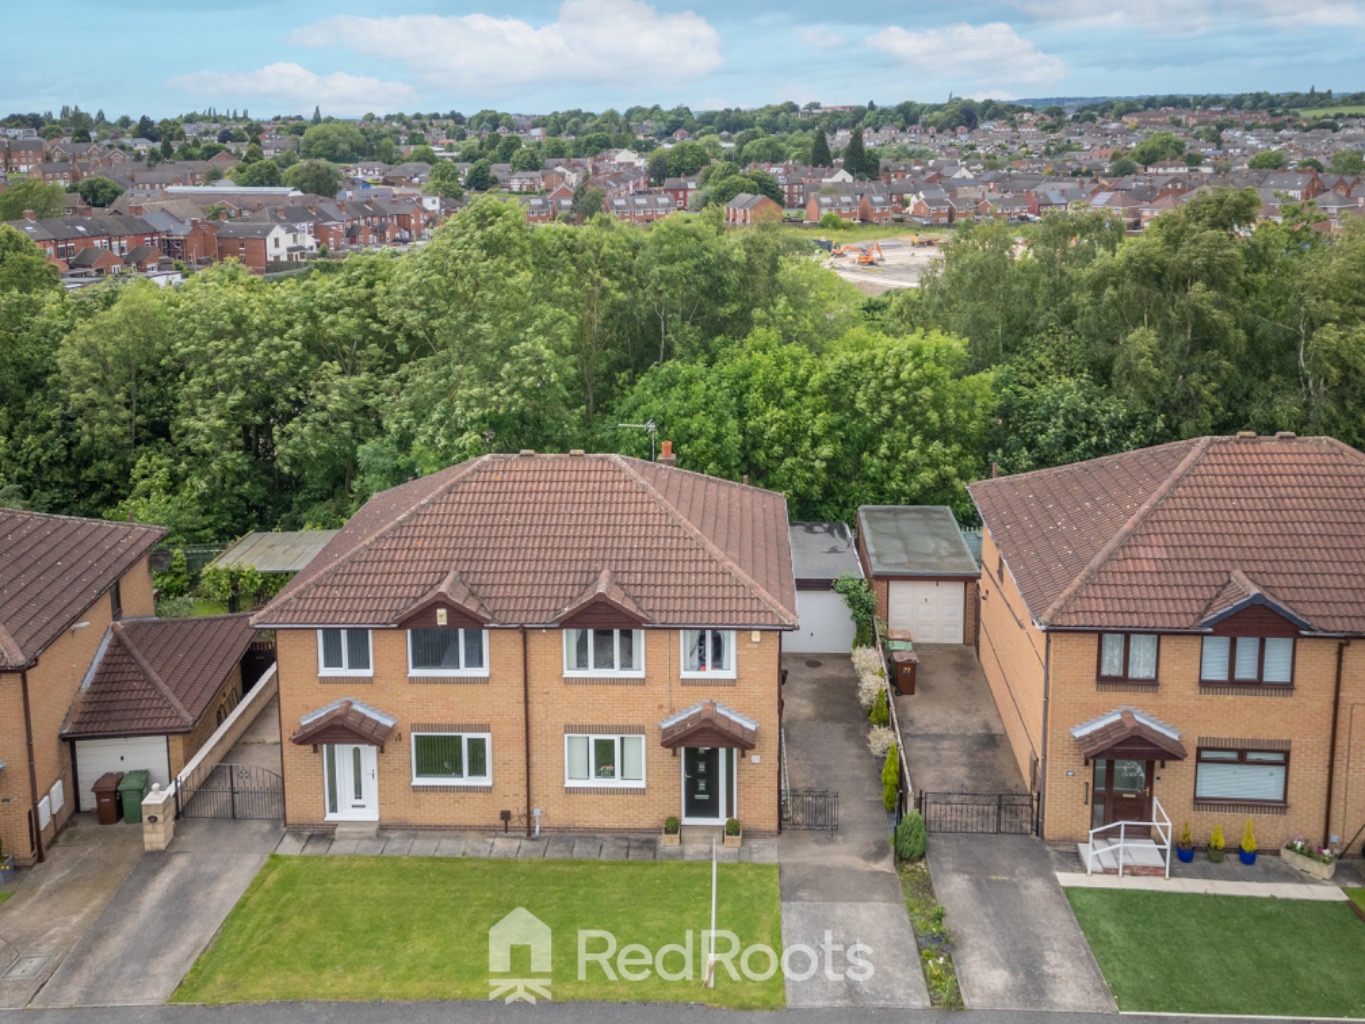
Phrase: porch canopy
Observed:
(1126, 733)
(344, 721)
(709, 724)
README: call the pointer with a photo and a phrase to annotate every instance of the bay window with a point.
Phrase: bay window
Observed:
(708, 652)
(1250, 776)
(604, 652)
(604, 760)
(344, 652)
(1247, 659)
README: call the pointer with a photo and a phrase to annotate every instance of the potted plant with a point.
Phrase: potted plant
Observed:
(1247, 851)
(1312, 860)
(1216, 844)
(1184, 846)
(6, 865)
(734, 835)
(672, 832)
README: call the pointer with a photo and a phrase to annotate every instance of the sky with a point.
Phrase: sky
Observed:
(166, 57)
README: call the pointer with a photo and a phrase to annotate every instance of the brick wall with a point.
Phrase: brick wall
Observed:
(52, 685)
(496, 703)
(185, 746)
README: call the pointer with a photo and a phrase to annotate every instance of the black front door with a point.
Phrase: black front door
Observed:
(702, 783)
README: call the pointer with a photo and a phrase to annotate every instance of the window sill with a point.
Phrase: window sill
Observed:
(469, 787)
(604, 679)
(601, 789)
(346, 677)
(1247, 689)
(703, 676)
(484, 783)
(1241, 806)
(1127, 685)
(432, 679)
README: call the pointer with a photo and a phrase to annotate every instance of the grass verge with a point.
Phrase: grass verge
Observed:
(1193, 953)
(417, 928)
(5, 895)
(934, 942)
(1357, 897)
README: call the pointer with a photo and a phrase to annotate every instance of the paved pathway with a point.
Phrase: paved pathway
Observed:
(1213, 887)
(841, 889)
(696, 845)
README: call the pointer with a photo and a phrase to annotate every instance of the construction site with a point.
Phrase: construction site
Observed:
(880, 266)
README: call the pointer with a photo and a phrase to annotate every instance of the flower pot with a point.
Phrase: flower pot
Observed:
(7, 869)
(1246, 857)
(1185, 856)
(1309, 865)
(734, 841)
(1216, 856)
(670, 838)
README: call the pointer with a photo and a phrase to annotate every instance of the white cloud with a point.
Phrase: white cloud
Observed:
(295, 88)
(985, 57)
(819, 38)
(1193, 17)
(623, 41)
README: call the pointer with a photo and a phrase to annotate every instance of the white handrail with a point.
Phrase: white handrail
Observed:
(1164, 834)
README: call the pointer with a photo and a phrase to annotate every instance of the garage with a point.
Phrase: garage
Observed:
(121, 754)
(931, 610)
(821, 553)
(923, 572)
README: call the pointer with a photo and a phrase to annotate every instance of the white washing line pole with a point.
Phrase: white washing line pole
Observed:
(711, 937)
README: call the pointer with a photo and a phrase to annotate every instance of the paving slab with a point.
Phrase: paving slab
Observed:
(614, 848)
(317, 845)
(673, 853)
(505, 847)
(559, 847)
(168, 910)
(424, 846)
(451, 847)
(344, 847)
(477, 847)
(398, 847)
(291, 843)
(825, 931)
(587, 847)
(532, 848)
(643, 849)
(371, 847)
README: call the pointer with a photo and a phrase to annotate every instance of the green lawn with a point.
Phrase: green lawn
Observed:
(867, 232)
(1348, 109)
(416, 928)
(1358, 895)
(1188, 953)
(5, 895)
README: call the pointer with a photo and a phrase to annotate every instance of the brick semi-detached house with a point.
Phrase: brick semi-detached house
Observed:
(578, 642)
(1183, 625)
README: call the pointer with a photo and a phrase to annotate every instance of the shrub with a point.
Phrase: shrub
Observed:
(175, 607)
(880, 713)
(1216, 841)
(910, 838)
(175, 581)
(1248, 838)
(833, 222)
(671, 825)
(1186, 840)
(869, 685)
(862, 605)
(879, 741)
(891, 778)
(732, 826)
(867, 660)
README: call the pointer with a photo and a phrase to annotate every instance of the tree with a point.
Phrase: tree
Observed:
(1268, 160)
(820, 155)
(262, 173)
(480, 178)
(444, 181)
(658, 166)
(587, 200)
(856, 159)
(1156, 148)
(687, 158)
(1122, 166)
(1347, 162)
(423, 155)
(336, 141)
(98, 191)
(317, 115)
(1310, 164)
(253, 153)
(315, 177)
(23, 267)
(32, 194)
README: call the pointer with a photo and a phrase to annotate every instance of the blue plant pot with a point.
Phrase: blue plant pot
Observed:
(1185, 856)
(1247, 858)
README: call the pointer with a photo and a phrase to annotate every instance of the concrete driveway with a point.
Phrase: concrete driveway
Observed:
(56, 901)
(841, 888)
(162, 917)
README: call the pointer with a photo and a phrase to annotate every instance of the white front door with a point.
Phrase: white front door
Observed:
(932, 610)
(351, 777)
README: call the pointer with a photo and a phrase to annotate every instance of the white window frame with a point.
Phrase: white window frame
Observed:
(485, 779)
(467, 672)
(729, 645)
(593, 780)
(633, 673)
(345, 670)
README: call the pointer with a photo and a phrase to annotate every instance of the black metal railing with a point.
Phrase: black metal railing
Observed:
(811, 810)
(239, 791)
(980, 813)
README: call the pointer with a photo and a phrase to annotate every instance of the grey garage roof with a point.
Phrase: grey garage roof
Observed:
(276, 552)
(823, 551)
(915, 540)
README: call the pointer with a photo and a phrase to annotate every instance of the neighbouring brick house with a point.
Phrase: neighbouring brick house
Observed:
(1179, 628)
(63, 582)
(590, 637)
(746, 208)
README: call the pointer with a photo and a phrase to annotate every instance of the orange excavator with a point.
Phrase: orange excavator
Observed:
(866, 257)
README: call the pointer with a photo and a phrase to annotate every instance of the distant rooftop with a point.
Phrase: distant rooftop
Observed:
(275, 552)
(915, 540)
(823, 551)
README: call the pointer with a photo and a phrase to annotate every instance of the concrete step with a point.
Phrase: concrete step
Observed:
(357, 830)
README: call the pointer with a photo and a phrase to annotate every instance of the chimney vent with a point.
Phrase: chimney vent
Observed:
(576, 452)
(666, 455)
(527, 453)
(1286, 435)
(1246, 433)
(30, 215)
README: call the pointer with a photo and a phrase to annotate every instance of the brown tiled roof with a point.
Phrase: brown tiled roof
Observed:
(156, 676)
(1172, 536)
(709, 724)
(1127, 735)
(345, 721)
(52, 568)
(532, 535)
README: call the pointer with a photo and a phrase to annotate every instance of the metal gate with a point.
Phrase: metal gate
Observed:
(988, 813)
(241, 791)
(810, 810)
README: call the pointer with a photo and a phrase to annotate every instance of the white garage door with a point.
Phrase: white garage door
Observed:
(930, 609)
(95, 757)
(826, 624)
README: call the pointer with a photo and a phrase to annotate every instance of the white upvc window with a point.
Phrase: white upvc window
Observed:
(344, 652)
(604, 652)
(708, 652)
(447, 652)
(451, 759)
(603, 760)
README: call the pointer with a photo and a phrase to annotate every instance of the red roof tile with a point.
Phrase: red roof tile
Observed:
(532, 535)
(52, 568)
(1169, 537)
(156, 676)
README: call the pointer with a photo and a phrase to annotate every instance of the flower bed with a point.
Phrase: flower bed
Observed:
(1311, 860)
